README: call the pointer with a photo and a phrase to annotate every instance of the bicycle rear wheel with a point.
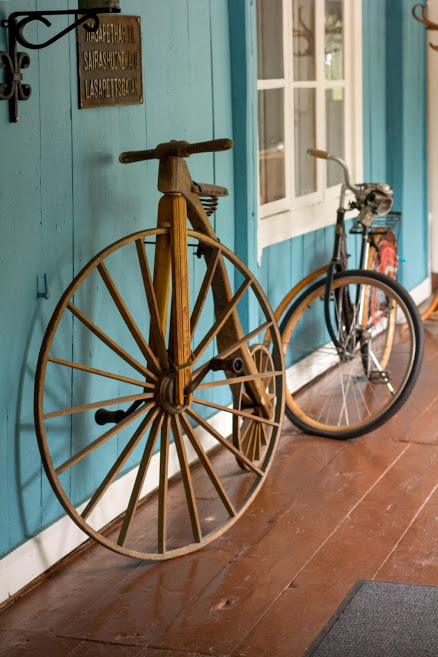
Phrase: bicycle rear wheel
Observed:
(348, 391)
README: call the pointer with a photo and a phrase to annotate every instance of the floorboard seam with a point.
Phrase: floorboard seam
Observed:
(406, 530)
(320, 548)
(353, 508)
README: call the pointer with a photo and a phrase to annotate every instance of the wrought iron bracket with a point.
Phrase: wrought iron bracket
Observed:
(419, 12)
(13, 89)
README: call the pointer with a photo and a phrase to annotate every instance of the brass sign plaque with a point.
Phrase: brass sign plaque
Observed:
(110, 63)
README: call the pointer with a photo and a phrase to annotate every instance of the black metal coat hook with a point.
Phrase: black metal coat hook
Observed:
(13, 89)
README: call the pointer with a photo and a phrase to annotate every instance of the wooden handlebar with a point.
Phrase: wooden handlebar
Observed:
(137, 156)
(176, 148)
(314, 152)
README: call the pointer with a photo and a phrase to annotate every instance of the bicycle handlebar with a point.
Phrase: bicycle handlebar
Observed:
(314, 152)
(324, 155)
(176, 148)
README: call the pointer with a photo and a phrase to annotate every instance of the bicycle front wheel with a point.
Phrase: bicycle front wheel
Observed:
(113, 437)
(346, 391)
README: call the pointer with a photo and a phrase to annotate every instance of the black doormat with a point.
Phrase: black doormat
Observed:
(382, 619)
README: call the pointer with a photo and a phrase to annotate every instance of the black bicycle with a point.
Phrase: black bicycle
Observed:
(353, 340)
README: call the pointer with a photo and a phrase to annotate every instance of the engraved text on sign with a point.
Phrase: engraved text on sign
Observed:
(110, 63)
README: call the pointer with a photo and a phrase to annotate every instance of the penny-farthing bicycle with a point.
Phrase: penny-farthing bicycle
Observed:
(151, 386)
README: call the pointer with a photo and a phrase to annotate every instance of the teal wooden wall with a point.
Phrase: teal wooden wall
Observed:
(395, 147)
(64, 196)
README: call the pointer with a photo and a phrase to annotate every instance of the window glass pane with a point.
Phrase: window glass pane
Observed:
(335, 132)
(304, 39)
(271, 145)
(305, 127)
(269, 39)
(334, 39)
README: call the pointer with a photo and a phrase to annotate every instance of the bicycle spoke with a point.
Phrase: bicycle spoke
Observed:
(219, 407)
(202, 296)
(99, 404)
(207, 465)
(377, 364)
(238, 379)
(139, 480)
(109, 375)
(245, 437)
(119, 462)
(247, 440)
(229, 350)
(103, 438)
(111, 344)
(187, 479)
(124, 312)
(151, 298)
(263, 437)
(231, 306)
(246, 338)
(203, 423)
(163, 486)
(257, 441)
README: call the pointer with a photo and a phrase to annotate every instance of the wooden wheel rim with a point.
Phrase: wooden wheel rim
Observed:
(39, 397)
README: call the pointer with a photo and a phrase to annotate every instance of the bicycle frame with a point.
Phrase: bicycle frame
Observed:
(179, 201)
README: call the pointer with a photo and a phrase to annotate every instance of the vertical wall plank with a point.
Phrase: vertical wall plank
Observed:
(19, 264)
(374, 89)
(406, 121)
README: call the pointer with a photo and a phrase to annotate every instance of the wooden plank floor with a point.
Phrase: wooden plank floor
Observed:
(329, 514)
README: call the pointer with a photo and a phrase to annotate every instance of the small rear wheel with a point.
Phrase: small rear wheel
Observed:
(250, 436)
(346, 391)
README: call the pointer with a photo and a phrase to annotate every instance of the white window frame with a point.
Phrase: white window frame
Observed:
(291, 217)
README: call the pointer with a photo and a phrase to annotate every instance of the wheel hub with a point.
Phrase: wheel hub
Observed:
(165, 394)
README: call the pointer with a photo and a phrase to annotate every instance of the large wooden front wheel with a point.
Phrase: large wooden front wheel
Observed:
(114, 442)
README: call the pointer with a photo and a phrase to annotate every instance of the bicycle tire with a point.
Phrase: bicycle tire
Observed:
(314, 362)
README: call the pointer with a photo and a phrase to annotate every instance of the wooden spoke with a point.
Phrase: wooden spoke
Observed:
(124, 312)
(109, 375)
(248, 399)
(119, 462)
(202, 346)
(263, 437)
(139, 480)
(202, 296)
(238, 379)
(99, 404)
(187, 479)
(163, 486)
(219, 407)
(207, 465)
(250, 452)
(200, 420)
(229, 350)
(103, 438)
(156, 329)
(246, 437)
(113, 345)
(246, 443)
(257, 442)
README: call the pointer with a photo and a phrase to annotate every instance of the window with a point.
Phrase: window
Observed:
(309, 96)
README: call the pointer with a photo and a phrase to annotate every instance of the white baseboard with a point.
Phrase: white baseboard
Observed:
(30, 560)
(422, 291)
